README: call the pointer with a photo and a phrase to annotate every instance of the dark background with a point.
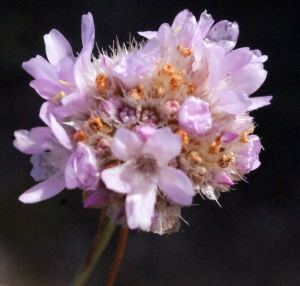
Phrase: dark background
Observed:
(254, 239)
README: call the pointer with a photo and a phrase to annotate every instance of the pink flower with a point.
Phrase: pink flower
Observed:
(61, 80)
(51, 149)
(194, 116)
(82, 169)
(144, 171)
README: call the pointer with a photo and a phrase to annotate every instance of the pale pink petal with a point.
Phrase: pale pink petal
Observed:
(176, 185)
(97, 198)
(222, 178)
(45, 88)
(148, 34)
(65, 73)
(248, 79)
(187, 31)
(258, 102)
(140, 207)
(233, 102)
(39, 68)
(163, 33)
(194, 116)
(117, 179)
(163, 145)
(70, 175)
(126, 144)
(47, 108)
(224, 34)
(203, 26)
(60, 133)
(82, 66)
(42, 167)
(57, 47)
(34, 141)
(235, 60)
(180, 19)
(82, 169)
(258, 57)
(145, 131)
(44, 190)
(228, 137)
(87, 30)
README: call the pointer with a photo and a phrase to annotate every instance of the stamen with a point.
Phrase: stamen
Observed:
(102, 81)
(65, 83)
(244, 136)
(175, 82)
(80, 136)
(157, 91)
(184, 137)
(214, 147)
(194, 157)
(95, 124)
(168, 70)
(137, 92)
(191, 87)
(58, 95)
(186, 52)
(225, 160)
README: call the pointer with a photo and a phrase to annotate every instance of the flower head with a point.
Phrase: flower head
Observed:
(143, 129)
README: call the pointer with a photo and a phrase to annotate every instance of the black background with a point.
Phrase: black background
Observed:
(254, 239)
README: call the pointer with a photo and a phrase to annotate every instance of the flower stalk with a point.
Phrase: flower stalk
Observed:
(123, 234)
(101, 240)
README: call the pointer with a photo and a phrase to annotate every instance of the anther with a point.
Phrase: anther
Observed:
(95, 124)
(58, 95)
(225, 160)
(215, 147)
(102, 81)
(168, 70)
(65, 83)
(137, 92)
(244, 136)
(191, 87)
(184, 137)
(186, 52)
(80, 136)
(157, 91)
(194, 157)
(175, 82)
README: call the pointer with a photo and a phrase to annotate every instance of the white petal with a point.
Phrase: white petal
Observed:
(57, 47)
(44, 190)
(126, 144)
(176, 185)
(163, 145)
(117, 179)
(248, 79)
(140, 207)
(60, 133)
(34, 141)
(87, 30)
(70, 175)
(148, 34)
(258, 102)
(232, 101)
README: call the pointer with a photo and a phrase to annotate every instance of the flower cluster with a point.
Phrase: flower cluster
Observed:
(141, 131)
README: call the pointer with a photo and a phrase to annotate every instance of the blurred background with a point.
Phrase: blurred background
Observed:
(252, 240)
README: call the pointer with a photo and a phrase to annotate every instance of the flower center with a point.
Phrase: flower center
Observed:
(146, 166)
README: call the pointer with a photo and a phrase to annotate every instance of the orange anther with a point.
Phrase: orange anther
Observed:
(102, 81)
(186, 52)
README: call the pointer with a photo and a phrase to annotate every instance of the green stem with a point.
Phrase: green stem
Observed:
(102, 238)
